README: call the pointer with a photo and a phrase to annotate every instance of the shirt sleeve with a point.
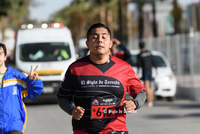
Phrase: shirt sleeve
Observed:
(139, 99)
(35, 88)
(127, 54)
(65, 93)
(66, 105)
(135, 88)
(134, 85)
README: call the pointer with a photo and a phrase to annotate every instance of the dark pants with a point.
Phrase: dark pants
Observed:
(14, 132)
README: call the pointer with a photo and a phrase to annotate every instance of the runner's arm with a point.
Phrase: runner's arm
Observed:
(65, 93)
(66, 105)
(127, 54)
(139, 99)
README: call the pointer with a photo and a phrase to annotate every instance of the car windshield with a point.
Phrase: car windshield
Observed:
(39, 52)
(158, 61)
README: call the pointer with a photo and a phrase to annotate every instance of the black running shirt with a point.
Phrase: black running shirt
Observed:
(100, 90)
(146, 61)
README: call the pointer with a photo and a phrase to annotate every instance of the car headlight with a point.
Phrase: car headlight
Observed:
(166, 79)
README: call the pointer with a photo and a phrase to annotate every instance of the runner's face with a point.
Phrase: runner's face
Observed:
(2, 57)
(99, 42)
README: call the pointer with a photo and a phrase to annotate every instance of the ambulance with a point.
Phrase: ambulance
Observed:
(50, 46)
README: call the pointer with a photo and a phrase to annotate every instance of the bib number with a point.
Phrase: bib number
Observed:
(103, 108)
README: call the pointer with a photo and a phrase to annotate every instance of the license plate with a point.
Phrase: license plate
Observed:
(48, 90)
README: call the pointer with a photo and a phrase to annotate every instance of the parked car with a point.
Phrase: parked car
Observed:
(164, 84)
(82, 48)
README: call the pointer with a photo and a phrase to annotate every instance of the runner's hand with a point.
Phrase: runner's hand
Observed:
(33, 75)
(129, 105)
(78, 112)
(116, 41)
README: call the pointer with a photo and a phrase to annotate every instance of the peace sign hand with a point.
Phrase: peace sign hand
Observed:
(33, 75)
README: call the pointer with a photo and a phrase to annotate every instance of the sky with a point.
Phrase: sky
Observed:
(48, 7)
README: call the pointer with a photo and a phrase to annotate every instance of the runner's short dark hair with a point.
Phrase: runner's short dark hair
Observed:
(141, 44)
(97, 25)
(4, 48)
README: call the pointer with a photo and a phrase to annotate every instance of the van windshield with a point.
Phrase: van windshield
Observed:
(158, 61)
(40, 52)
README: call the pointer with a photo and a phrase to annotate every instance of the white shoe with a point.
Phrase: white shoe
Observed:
(150, 104)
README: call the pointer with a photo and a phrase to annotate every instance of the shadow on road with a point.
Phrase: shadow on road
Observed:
(173, 110)
(41, 100)
(40, 103)
(193, 115)
(164, 116)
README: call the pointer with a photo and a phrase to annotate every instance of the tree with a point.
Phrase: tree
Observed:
(75, 17)
(106, 9)
(123, 19)
(82, 13)
(140, 4)
(4, 6)
(14, 11)
(18, 9)
(154, 22)
(177, 13)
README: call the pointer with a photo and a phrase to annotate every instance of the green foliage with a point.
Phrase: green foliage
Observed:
(4, 5)
(81, 13)
(14, 10)
(176, 12)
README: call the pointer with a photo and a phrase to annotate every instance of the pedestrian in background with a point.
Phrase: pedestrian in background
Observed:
(94, 88)
(146, 61)
(14, 86)
(123, 53)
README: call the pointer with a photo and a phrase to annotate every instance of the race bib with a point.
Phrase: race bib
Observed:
(103, 108)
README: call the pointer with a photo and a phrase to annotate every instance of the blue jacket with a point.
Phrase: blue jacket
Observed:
(16, 85)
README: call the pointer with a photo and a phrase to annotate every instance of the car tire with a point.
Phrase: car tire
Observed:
(159, 97)
(170, 98)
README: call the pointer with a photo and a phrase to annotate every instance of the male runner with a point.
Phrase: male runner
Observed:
(146, 61)
(94, 88)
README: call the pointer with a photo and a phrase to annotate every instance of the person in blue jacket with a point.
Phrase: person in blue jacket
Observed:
(14, 86)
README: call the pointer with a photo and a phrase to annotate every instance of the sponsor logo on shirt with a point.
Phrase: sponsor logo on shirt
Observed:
(14, 90)
(145, 54)
(82, 82)
(95, 102)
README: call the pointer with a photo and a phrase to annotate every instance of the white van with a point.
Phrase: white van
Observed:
(49, 46)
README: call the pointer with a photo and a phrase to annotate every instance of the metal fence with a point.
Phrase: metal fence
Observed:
(183, 52)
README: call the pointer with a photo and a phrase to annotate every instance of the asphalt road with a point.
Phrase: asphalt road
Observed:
(178, 117)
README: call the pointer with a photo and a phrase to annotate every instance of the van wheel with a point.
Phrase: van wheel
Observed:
(159, 97)
(170, 98)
